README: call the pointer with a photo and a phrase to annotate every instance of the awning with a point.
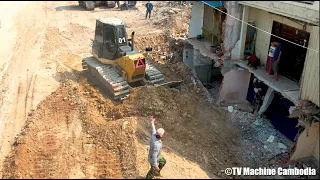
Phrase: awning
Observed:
(213, 3)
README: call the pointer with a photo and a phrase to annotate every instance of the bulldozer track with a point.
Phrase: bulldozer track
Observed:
(153, 74)
(111, 81)
(106, 77)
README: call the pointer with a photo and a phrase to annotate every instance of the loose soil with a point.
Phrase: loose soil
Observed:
(63, 127)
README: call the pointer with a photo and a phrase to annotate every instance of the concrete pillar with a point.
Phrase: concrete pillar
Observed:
(243, 33)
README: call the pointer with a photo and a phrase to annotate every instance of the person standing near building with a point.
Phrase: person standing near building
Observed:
(149, 7)
(270, 57)
(118, 3)
(276, 59)
(155, 159)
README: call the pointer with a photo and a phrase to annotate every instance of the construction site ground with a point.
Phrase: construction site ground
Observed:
(54, 123)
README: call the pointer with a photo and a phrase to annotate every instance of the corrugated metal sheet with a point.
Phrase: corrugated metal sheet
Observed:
(213, 3)
(310, 75)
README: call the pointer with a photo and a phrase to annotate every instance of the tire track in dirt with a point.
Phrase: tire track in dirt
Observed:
(45, 163)
(13, 105)
(107, 164)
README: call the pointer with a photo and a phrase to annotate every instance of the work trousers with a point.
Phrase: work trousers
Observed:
(152, 172)
(148, 12)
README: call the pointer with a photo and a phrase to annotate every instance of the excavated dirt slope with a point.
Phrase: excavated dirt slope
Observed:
(76, 132)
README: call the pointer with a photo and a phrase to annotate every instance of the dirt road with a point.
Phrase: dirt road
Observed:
(53, 124)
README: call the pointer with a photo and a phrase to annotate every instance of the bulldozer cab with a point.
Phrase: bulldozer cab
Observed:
(111, 40)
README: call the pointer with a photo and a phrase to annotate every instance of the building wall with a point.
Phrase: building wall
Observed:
(310, 75)
(308, 143)
(208, 21)
(264, 20)
(232, 26)
(303, 12)
(196, 21)
(188, 55)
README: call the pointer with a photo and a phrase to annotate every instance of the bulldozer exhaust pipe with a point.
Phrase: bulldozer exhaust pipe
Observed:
(132, 41)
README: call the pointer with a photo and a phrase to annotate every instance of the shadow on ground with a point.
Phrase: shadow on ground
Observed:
(70, 8)
(79, 8)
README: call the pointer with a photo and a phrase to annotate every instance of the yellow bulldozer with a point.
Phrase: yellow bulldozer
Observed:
(116, 65)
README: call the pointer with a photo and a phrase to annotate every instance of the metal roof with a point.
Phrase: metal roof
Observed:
(111, 20)
(213, 3)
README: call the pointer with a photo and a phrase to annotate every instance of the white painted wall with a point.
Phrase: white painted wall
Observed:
(196, 21)
(232, 26)
(264, 20)
(296, 10)
(310, 75)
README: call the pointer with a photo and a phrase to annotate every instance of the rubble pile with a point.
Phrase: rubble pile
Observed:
(260, 138)
(172, 15)
(306, 111)
(161, 102)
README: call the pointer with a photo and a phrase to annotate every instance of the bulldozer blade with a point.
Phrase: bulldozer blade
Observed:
(171, 84)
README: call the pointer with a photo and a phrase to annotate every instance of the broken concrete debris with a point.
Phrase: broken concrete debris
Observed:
(270, 139)
(257, 122)
(282, 146)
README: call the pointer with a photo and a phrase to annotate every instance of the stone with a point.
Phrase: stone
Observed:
(282, 146)
(257, 122)
(230, 108)
(270, 139)
(124, 125)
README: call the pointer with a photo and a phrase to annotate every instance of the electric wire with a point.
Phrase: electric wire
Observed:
(266, 31)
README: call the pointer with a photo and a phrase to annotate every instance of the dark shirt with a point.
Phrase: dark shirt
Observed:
(277, 52)
(149, 6)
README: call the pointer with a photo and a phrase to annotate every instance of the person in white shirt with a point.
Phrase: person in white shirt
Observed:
(270, 58)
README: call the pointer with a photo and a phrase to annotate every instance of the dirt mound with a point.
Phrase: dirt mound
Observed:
(66, 137)
(77, 133)
(173, 16)
(187, 121)
(159, 101)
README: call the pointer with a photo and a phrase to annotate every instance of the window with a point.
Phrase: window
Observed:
(121, 35)
(98, 32)
(109, 35)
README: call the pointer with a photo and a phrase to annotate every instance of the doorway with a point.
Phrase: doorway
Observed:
(293, 56)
